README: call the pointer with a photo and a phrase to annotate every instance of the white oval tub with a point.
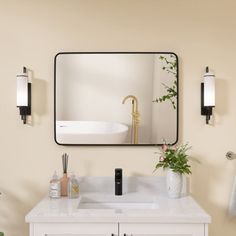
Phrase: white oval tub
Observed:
(90, 132)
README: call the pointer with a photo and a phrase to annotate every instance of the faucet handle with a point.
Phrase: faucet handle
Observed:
(136, 116)
(118, 174)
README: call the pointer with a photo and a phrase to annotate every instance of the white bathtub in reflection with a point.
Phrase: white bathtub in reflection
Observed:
(90, 132)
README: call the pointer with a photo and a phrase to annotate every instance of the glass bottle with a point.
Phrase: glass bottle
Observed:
(55, 186)
(73, 187)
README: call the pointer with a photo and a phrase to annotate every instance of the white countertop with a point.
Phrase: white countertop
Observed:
(182, 210)
(149, 192)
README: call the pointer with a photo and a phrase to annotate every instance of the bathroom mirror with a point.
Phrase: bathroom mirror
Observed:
(115, 98)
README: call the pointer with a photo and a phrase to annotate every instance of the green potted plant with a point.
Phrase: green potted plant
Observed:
(175, 160)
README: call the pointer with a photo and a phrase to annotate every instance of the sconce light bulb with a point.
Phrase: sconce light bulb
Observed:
(208, 94)
(22, 90)
(23, 94)
(209, 89)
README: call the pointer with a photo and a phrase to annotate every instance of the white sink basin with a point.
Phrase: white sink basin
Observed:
(118, 206)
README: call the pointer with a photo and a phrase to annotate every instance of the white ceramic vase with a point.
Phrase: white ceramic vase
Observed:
(174, 182)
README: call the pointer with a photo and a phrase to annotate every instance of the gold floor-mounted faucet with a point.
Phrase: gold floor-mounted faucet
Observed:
(135, 118)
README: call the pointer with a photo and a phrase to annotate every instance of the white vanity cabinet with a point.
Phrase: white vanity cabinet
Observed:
(180, 217)
(138, 212)
(117, 229)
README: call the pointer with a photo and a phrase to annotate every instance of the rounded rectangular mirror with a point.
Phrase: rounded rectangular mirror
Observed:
(115, 98)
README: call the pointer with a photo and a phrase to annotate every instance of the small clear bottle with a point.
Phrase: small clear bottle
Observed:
(55, 186)
(73, 187)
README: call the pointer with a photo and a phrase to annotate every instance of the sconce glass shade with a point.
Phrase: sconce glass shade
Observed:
(22, 90)
(209, 90)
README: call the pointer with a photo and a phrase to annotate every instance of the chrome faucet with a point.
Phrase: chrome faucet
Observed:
(135, 118)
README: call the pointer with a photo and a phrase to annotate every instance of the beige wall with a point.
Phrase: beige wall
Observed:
(32, 32)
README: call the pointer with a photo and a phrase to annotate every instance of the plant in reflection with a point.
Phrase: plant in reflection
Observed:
(174, 158)
(170, 66)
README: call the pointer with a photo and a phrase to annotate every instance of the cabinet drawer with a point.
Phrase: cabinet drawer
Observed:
(131, 229)
(74, 229)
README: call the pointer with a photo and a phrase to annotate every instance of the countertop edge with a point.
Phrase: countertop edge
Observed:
(197, 215)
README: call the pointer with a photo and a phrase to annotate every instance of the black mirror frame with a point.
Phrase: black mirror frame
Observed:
(122, 145)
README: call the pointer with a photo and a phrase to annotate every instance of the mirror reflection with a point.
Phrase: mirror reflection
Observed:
(116, 98)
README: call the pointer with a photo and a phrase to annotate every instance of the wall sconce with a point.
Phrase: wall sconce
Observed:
(23, 94)
(208, 95)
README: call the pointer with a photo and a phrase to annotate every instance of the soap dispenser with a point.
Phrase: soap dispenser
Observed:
(73, 187)
(55, 186)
